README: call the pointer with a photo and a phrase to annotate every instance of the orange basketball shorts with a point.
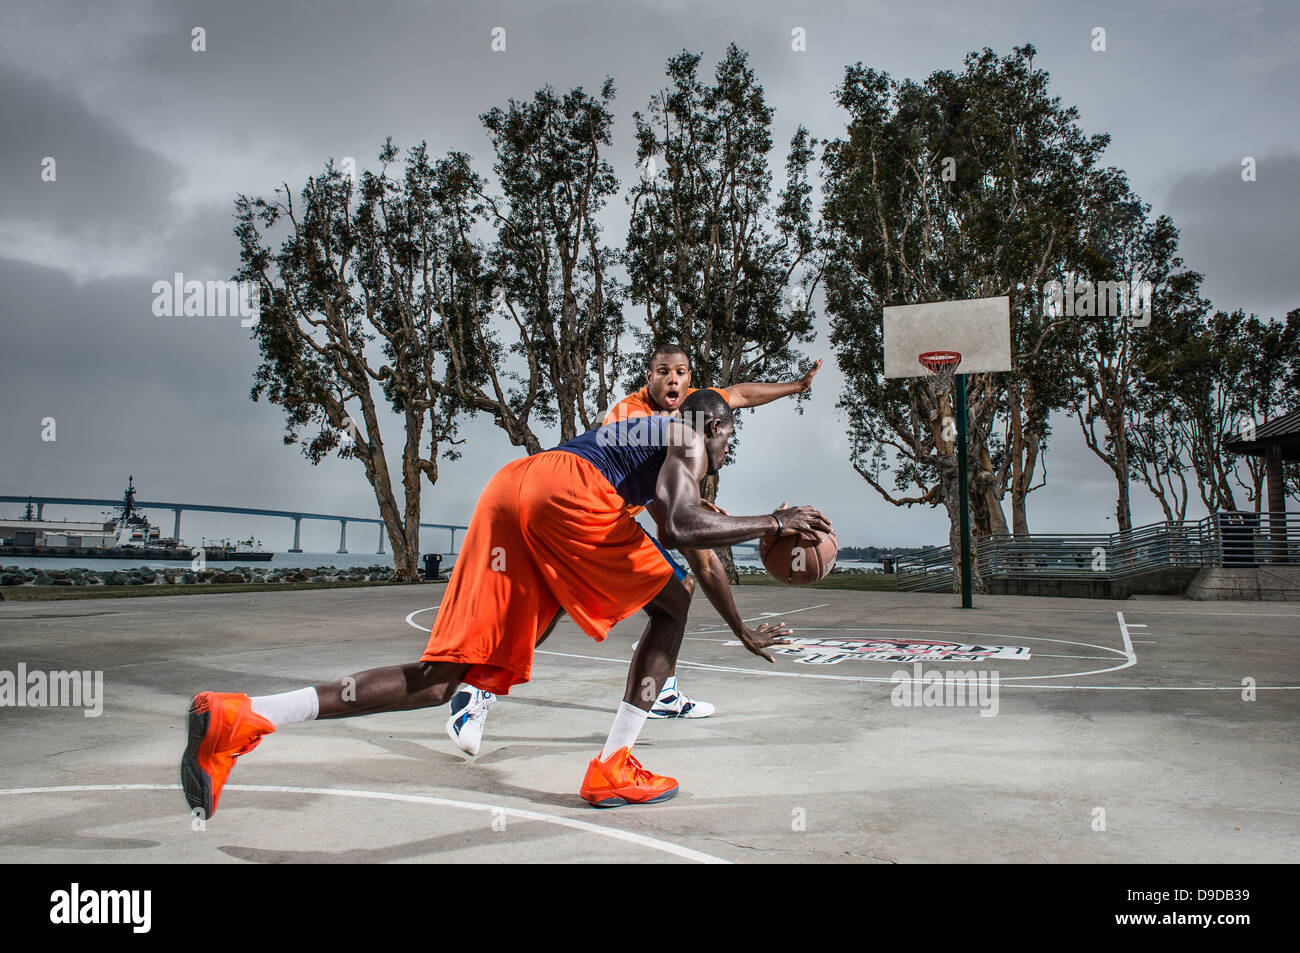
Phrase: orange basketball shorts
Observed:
(548, 533)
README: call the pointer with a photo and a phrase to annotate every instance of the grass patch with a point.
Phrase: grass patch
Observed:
(48, 593)
(862, 582)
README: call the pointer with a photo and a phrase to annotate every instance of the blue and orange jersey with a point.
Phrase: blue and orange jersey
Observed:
(628, 453)
(638, 405)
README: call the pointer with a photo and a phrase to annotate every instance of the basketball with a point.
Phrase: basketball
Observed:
(799, 560)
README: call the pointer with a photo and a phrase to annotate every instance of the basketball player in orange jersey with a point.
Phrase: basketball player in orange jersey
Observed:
(550, 533)
(668, 383)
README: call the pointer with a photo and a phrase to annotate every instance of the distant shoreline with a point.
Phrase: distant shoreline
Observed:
(338, 562)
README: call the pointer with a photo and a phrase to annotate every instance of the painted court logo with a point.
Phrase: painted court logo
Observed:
(834, 651)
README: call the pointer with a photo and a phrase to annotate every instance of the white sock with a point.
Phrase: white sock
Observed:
(288, 708)
(622, 734)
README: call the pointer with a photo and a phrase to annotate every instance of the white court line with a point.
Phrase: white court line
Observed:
(1128, 643)
(898, 681)
(758, 618)
(765, 615)
(630, 837)
(1130, 659)
(1089, 658)
(983, 635)
(410, 617)
(1083, 609)
(1160, 688)
(725, 668)
(950, 633)
(863, 678)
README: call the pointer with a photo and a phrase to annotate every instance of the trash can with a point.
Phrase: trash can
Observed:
(432, 562)
(887, 564)
(1237, 532)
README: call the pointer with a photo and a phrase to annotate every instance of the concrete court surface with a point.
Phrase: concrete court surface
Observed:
(1124, 736)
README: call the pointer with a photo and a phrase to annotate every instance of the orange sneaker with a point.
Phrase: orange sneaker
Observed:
(621, 780)
(222, 726)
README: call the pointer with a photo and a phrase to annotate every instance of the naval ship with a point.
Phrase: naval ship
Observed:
(125, 533)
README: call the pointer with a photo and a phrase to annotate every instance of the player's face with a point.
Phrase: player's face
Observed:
(716, 446)
(667, 380)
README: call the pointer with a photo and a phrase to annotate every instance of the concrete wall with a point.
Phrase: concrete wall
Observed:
(1264, 584)
(1099, 588)
(1170, 580)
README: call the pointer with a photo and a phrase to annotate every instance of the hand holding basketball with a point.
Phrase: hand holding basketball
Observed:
(804, 551)
(797, 520)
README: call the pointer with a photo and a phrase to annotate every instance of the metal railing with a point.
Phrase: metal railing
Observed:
(1248, 539)
(927, 571)
(1141, 549)
(1229, 539)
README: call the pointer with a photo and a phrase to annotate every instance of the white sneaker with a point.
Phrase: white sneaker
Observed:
(673, 703)
(469, 708)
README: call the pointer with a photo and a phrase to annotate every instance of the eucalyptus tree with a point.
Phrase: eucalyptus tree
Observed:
(716, 262)
(1126, 279)
(349, 321)
(552, 339)
(967, 185)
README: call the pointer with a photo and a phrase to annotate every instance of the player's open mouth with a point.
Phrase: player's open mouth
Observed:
(670, 398)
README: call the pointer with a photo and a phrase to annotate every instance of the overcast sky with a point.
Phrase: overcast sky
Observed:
(153, 140)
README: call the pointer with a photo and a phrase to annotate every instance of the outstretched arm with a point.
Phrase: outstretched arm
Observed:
(756, 393)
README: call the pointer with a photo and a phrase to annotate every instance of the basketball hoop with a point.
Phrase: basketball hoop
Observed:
(942, 366)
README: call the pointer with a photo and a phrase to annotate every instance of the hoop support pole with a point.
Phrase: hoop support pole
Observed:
(962, 472)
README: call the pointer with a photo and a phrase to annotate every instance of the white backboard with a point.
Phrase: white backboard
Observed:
(978, 328)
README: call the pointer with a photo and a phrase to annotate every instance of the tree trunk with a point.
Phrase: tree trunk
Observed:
(1117, 426)
(411, 485)
(378, 475)
(952, 504)
(1031, 441)
(997, 518)
(987, 482)
(1026, 442)
(981, 521)
(1019, 519)
(1123, 511)
(405, 558)
(951, 489)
